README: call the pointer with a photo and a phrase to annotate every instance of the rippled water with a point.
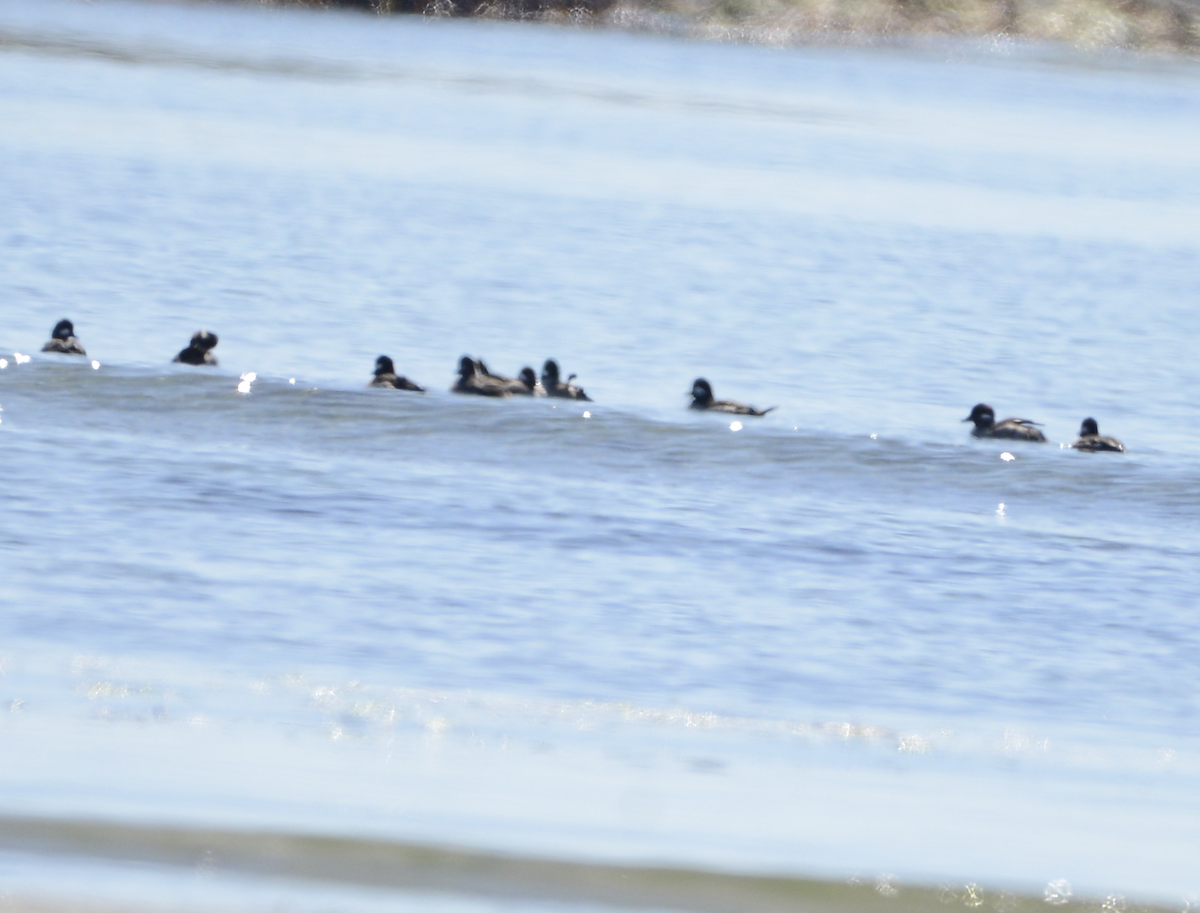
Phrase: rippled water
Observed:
(845, 641)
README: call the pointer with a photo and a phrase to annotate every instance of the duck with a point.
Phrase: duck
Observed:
(385, 376)
(702, 398)
(199, 350)
(529, 382)
(556, 387)
(1090, 440)
(62, 340)
(524, 384)
(1015, 429)
(474, 378)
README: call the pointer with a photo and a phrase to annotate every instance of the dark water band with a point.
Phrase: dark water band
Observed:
(418, 867)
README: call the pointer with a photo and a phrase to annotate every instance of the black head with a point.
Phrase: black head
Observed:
(466, 367)
(982, 415)
(383, 365)
(527, 377)
(550, 373)
(204, 340)
(1089, 427)
(64, 330)
(702, 390)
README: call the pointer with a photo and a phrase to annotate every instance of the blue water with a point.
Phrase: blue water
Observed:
(843, 641)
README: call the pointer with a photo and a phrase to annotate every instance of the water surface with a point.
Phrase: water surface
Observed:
(845, 641)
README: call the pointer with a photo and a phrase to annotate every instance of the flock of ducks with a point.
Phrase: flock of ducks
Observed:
(1022, 429)
(474, 378)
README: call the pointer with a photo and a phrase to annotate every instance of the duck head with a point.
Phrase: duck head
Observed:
(383, 365)
(550, 373)
(204, 340)
(63, 330)
(466, 367)
(983, 415)
(527, 377)
(1089, 428)
(702, 391)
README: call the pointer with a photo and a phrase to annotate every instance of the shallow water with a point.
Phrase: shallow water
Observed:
(843, 641)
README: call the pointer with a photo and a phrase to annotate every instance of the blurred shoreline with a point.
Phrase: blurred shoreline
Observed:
(397, 866)
(1142, 25)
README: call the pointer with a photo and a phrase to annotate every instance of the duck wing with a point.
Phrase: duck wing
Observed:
(734, 408)
(488, 386)
(508, 384)
(68, 346)
(1017, 429)
(1096, 444)
(569, 391)
(394, 382)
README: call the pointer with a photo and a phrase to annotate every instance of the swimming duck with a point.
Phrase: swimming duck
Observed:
(474, 378)
(702, 398)
(524, 384)
(199, 350)
(385, 376)
(1091, 441)
(62, 340)
(556, 387)
(528, 380)
(1015, 429)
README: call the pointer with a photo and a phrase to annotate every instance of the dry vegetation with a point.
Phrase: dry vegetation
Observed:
(1138, 24)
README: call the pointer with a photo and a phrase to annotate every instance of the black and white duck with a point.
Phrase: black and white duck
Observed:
(385, 376)
(199, 350)
(62, 340)
(702, 398)
(1013, 429)
(555, 386)
(1091, 441)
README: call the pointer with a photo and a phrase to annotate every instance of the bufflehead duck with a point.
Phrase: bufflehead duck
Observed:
(199, 350)
(1091, 441)
(529, 382)
(556, 387)
(62, 340)
(473, 377)
(1015, 429)
(702, 398)
(385, 376)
